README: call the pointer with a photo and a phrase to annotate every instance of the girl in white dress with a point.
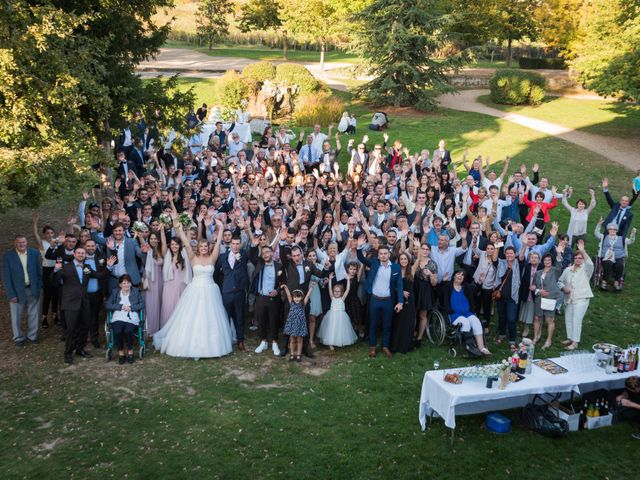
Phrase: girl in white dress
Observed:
(336, 329)
(199, 326)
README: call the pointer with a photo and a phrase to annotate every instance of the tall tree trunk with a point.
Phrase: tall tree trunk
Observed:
(322, 49)
(285, 46)
(210, 42)
(509, 42)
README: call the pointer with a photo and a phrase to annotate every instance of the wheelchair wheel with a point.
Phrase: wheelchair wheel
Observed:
(436, 327)
(141, 352)
(452, 352)
(108, 354)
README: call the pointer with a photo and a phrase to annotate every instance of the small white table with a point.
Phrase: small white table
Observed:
(471, 396)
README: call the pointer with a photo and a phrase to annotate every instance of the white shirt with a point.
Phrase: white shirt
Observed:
(318, 140)
(235, 147)
(486, 183)
(381, 284)
(126, 142)
(119, 268)
(445, 260)
(127, 317)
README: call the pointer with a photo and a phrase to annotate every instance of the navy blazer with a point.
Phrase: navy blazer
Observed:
(395, 280)
(627, 218)
(235, 279)
(13, 274)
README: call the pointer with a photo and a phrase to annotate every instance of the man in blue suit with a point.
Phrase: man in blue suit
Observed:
(384, 286)
(233, 265)
(22, 277)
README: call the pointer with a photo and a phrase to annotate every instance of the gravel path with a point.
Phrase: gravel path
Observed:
(619, 150)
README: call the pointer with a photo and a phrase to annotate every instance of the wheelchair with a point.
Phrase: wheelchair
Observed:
(141, 334)
(440, 328)
(597, 275)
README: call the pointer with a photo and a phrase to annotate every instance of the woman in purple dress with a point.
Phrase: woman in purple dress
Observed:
(153, 280)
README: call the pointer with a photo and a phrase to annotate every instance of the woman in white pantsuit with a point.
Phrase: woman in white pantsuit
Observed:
(574, 282)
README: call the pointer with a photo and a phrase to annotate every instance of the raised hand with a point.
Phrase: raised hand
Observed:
(605, 183)
(535, 167)
(385, 136)
(581, 245)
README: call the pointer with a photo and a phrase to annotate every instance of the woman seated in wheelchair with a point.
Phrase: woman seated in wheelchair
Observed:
(458, 302)
(125, 303)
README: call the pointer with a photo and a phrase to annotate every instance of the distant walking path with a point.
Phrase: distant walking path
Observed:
(620, 150)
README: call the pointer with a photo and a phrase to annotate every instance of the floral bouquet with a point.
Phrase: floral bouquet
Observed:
(165, 219)
(186, 221)
(140, 227)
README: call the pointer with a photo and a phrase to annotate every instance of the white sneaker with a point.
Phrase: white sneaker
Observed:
(276, 350)
(262, 347)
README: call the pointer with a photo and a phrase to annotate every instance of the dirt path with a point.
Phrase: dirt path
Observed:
(619, 150)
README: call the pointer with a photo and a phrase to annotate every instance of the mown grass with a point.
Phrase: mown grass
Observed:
(340, 416)
(603, 117)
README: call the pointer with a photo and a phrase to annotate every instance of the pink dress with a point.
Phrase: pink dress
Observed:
(171, 293)
(153, 298)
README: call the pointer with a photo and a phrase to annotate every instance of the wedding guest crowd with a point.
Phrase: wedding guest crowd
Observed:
(306, 252)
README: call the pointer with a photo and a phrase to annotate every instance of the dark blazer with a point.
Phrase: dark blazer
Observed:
(13, 274)
(467, 289)
(525, 279)
(291, 272)
(235, 279)
(53, 252)
(395, 279)
(257, 272)
(627, 218)
(132, 252)
(482, 245)
(74, 293)
(135, 298)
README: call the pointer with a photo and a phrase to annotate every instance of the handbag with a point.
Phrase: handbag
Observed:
(497, 293)
(548, 304)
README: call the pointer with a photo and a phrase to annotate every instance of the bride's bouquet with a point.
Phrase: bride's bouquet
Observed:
(186, 221)
(140, 227)
(165, 219)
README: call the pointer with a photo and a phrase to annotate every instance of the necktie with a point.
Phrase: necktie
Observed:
(618, 216)
(309, 155)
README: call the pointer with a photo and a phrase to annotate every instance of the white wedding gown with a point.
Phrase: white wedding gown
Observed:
(199, 326)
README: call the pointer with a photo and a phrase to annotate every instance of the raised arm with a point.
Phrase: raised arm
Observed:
(213, 257)
(346, 291)
(36, 234)
(185, 241)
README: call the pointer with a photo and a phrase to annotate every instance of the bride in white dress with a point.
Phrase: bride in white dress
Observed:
(199, 326)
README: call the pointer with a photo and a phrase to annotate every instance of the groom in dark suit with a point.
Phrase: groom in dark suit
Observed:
(75, 302)
(235, 282)
(384, 286)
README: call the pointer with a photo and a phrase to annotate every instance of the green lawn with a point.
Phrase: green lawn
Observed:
(603, 117)
(265, 53)
(341, 416)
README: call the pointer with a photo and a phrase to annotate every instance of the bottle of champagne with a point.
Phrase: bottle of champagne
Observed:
(590, 410)
(596, 409)
(621, 363)
(582, 423)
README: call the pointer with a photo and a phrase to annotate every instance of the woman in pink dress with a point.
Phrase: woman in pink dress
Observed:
(176, 271)
(154, 280)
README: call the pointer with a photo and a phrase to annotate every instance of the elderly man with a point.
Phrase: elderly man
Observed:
(445, 256)
(22, 277)
(620, 213)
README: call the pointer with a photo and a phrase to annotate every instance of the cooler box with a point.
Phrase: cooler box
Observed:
(573, 419)
(498, 423)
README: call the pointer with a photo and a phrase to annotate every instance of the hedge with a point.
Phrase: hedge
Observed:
(230, 90)
(529, 63)
(260, 71)
(317, 108)
(516, 87)
(294, 74)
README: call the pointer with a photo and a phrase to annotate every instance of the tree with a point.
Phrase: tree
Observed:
(401, 51)
(262, 15)
(67, 82)
(558, 22)
(211, 19)
(313, 20)
(606, 52)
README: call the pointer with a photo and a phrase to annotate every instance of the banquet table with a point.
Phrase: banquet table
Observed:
(447, 400)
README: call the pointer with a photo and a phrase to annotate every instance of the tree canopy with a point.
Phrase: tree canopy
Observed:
(67, 82)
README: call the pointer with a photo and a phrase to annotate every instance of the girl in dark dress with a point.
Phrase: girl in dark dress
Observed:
(404, 322)
(425, 274)
(352, 303)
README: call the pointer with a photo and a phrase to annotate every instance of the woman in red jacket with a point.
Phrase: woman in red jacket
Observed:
(539, 211)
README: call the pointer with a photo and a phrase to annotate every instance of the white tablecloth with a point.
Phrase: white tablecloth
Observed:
(243, 129)
(471, 396)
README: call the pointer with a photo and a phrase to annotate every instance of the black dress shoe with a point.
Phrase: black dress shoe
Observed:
(57, 321)
(308, 353)
(83, 353)
(45, 323)
(20, 344)
(33, 342)
(130, 359)
(284, 352)
(121, 359)
(68, 359)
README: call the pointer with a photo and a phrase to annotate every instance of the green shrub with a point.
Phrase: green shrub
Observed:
(230, 90)
(311, 109)
(294, 74)
(260, 71)
(516, 87)
(533, 63)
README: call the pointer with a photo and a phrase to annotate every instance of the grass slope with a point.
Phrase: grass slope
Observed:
(341, 416)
